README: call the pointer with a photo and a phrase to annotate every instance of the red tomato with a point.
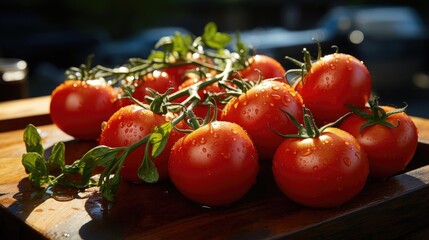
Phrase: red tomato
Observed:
(260, 111)
(321, 172)
(127, 126)
(157, 80)
(79, 107)
(268, 67)
(334, 81)
(214, 165)
(389, 150)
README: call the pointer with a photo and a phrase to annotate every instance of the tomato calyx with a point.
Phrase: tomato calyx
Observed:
(377, 116)
(309, 128)
(305, 66)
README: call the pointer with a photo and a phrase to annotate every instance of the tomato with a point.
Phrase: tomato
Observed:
(79, 107)
(268, 67)
(322, 172)
(157, 80)
(127, 126)
(214, 165)
(260, 111)
(332, 82)
(389, 149)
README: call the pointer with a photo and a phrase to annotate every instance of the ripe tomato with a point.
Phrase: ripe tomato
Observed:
(128, 125)
(389, 149)
(268, 67)
(261, 110)
(321, 172)
(79, 107)
(214, 165)
(157, 80)
(334, 81)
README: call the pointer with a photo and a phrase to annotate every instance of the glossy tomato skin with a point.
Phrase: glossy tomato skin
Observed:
(260, 112)
(214, 165)
(127, 126)
(79, 107)
(268, 67)
(334, 81)
(321, 172)
(389, 150)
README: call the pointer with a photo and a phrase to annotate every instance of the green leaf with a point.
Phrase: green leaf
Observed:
(57, 158)
(147, 170)
(33, 141)
(214, 39)
(98, 156)
(159, 138)
(181, 44)
(160, 55)
(36, 168)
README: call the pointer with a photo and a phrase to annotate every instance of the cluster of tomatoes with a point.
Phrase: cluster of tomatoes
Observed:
(211, 149)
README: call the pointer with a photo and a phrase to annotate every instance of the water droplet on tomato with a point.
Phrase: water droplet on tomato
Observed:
(332, 66)
(209, 155)
(307, 152)
(121, 125)
(204, 149)
(347, 161)
(315, 168)
(244, 103)
(287, 98)
(194, 142)
(215, 135)
(357, 155)
(272, 105)
(235, 132)
(203, 140)
(275, 88)
(225, 155)
(141, 129)
(276, 96)
(256, 111)
(234, 139)
(129, 124)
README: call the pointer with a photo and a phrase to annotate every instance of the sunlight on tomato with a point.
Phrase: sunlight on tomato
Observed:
(79, 107)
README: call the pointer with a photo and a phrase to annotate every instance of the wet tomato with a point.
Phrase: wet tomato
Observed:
(261, 111)
(127, 126)
(389, 149)
(334, 81)
(214, 165)
(321, 172)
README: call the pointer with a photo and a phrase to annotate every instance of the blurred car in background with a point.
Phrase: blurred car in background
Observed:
(392, 42)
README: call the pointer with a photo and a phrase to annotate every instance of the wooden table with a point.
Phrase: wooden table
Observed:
(387, 209)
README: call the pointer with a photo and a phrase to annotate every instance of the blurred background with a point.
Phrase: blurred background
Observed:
(40, 39)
